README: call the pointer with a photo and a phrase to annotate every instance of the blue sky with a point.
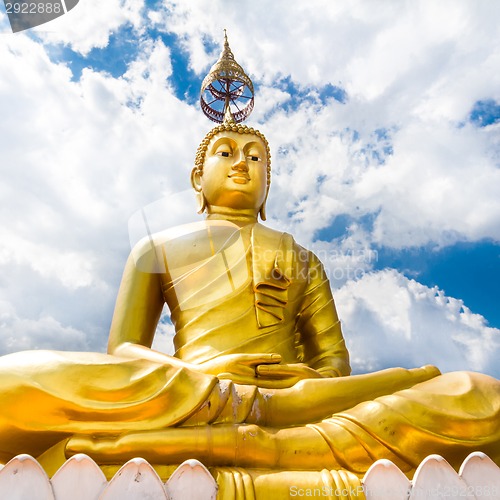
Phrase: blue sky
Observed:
(383, 124)
(470, 271)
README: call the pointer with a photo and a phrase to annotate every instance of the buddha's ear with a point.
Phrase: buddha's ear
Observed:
(196, 179)
(262, 211)
(196, 183)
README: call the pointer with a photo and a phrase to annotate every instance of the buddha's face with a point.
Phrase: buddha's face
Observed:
(235, 172)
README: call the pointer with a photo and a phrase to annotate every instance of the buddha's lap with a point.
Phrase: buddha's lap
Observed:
(85, 393)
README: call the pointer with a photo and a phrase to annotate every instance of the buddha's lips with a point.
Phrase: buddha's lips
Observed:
(239, 177)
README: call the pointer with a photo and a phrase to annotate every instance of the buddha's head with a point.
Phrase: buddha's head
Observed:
(233, 170)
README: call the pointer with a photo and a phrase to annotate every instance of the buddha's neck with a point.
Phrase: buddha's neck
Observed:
(239, 217)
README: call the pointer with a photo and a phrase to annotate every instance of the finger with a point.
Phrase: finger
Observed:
(278, 371)
(294, 370)
(259, 359)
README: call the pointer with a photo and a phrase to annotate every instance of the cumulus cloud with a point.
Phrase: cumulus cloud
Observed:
(414, 71)
(91, 22)
(438, 186)
(20, 334)
(78, 158)
(165, 332)
(388, 317)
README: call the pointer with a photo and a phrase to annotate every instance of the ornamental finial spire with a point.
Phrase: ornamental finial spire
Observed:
(226, 51)
(227, 93)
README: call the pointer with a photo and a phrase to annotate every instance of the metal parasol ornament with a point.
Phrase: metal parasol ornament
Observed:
(227, 89)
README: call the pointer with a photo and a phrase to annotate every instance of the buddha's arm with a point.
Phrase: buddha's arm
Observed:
(137, 311)
(319, 326)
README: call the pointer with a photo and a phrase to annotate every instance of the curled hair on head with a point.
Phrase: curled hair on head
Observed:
(230, 127)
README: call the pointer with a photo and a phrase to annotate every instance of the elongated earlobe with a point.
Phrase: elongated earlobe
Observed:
(201, 202)
(196, 183)
(262, 211)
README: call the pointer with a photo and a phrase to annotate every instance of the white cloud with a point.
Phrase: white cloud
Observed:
(20, 334)
(72, 269)
(438, 186)
(165, 332)
(78, 158)
(91, 22)
(414, 69)
(388, 317)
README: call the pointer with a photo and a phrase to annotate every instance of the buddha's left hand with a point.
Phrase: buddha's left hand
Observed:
(263, 370)
(278, 377)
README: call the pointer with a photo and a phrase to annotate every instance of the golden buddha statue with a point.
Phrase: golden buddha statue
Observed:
(259, 386)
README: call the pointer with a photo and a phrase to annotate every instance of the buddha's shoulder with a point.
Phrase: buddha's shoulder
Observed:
(261, 232)
(275, 238)
(285, 246)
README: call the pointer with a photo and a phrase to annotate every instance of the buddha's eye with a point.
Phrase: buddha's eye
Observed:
(225, 154)
(253, 158)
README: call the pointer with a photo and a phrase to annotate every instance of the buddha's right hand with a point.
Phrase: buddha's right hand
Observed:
(240, 368)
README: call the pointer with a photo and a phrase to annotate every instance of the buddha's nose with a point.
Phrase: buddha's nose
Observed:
(240, 162)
